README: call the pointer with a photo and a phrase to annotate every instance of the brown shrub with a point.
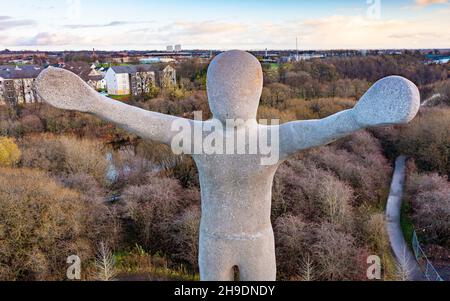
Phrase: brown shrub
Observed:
(432, 214)
(84, 156)
(318, 108)
(157, 153)
(11, 128)
(43, 152)
(269, 113)
(41, 224)
(31, 124)
(85, 184)
(418, 183)
(280, 204)
(182, 167)
(65, 122)
(362, 144)
(275, 94)
(354, 88)
(430, 196)
(65, 155)
(185, 236)
(295, 185)
(369, 186)
(132, 169)
(373, 232)
(321, 186)
(292, 244)
(426, 139)
(334, 198)
(194, 101)
(152, 208)
(336, 254)
(303, 189)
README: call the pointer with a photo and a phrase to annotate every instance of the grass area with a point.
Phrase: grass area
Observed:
(120, 97)
(406, 221)
(137, 264)
(272, 66)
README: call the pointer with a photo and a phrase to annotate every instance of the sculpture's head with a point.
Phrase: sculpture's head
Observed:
(235, 83)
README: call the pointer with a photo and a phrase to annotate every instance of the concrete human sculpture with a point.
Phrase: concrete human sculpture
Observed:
(236, 188)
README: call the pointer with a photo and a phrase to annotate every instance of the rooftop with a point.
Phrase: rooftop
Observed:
(17, 72)
(139, 68)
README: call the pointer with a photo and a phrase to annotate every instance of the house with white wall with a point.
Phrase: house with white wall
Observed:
(118, 80)
(89, 73)
(138, 79)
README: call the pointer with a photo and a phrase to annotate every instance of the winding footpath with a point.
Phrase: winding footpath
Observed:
(401, 249)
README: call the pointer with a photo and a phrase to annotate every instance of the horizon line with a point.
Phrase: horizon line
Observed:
(227, 49)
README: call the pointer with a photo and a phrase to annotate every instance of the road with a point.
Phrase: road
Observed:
(401, 249)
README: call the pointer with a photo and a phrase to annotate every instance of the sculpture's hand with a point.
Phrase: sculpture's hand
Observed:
(391, 100)
(65, 90)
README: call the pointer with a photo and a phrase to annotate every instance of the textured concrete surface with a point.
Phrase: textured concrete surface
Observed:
(235, 83)
(65, 90)
(401, 249)
(236, 189)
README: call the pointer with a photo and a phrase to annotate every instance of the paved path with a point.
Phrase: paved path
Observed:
(393, 213)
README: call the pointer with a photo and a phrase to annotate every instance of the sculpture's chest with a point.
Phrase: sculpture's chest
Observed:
(237, 169)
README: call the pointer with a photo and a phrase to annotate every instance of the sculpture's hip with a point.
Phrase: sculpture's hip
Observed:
(234, 236)
(253, 254)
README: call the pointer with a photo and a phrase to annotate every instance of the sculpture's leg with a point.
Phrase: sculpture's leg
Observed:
(257, 261)
(254, 256)
(216, 259)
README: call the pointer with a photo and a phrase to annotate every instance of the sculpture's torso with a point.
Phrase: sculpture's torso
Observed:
(236, 194)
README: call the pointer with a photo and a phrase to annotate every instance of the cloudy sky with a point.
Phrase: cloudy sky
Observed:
(230, 24)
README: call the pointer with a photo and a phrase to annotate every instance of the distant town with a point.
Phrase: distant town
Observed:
(119, 73)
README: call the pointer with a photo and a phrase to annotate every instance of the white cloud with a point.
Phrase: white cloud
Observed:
(9, 22)
(430, 2)
(360, 32)
(430, 30)
(49, 39)
(110, 24)
(204, 28)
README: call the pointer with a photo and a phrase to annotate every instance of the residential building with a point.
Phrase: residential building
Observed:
(166, 76)
(138, 79)
(118, 80)
(142, 80)
(16, 84)
(97, 82)
(89, 73)
(155, 60)
(123, 58)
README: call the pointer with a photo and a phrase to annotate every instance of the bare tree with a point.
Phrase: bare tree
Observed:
(105, 263)
(307, 269)
(404, 267)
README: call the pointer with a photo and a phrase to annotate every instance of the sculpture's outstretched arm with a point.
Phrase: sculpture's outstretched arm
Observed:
(65, 90)
(392, 100)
